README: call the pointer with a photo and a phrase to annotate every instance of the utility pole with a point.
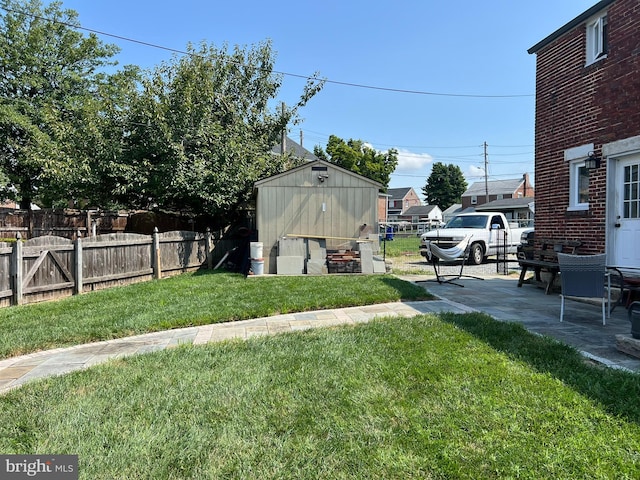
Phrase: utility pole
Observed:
(301, 138)
(486, 171)
(284, 133)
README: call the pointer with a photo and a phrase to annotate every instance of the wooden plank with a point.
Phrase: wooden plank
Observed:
(48, 288)
(364, 240)
(34, 268)
(58, 261)
(33, 252)
(129, 243)
(118, 276)
(6, 293)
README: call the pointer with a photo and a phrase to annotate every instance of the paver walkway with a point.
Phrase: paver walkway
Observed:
(495, 295)
(16, 371)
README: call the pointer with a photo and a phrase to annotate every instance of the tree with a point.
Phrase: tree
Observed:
(200, 131)
(445, 185)
(48, 77)
(359, 158)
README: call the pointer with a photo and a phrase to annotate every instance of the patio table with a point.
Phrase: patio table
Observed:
(628, 280)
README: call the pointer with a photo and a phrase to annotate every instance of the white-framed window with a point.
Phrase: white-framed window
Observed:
(474, 199)
(579, 187)
(597, 38)
(500, 196)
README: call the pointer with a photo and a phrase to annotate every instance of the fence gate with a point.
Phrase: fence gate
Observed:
(46, 264)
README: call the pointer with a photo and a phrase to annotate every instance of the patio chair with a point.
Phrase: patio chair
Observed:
(583, 276)
(458, 253)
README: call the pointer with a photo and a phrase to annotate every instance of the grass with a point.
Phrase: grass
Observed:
(401, 246)
(186, 300)
(451, 396)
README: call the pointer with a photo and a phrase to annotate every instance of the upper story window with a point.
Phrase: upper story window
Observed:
(597, 38)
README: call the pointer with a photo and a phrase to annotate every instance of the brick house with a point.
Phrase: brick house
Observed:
(587, 154)
(399, 200)
(476, 194)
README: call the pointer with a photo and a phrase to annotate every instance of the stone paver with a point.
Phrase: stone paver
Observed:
(495, 295)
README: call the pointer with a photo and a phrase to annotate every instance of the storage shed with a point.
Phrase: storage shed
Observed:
(317, 200)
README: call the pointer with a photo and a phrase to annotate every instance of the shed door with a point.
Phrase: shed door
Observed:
(626, 231)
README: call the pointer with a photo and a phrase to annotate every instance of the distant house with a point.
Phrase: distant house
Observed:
(399, 200)
(451, 211)
(425, 214)
(476, 194)
(588, 132)
(517, 210)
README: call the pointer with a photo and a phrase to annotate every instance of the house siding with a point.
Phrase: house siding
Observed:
(580, 105)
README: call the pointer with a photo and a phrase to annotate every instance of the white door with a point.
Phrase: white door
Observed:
(626, 231)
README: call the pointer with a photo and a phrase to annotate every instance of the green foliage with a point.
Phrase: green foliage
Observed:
(48, 74)
(445, 185)
(407, 398)
(201, 130)
(356, 156)
(192, 135)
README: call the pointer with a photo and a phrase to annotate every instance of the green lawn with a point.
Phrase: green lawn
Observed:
(186, 300)
(456, 396)
(435, 396)
(401, 246)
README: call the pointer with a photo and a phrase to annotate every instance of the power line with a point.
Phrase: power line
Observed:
(288, 74)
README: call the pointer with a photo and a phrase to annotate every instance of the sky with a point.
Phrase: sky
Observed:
(435, 80)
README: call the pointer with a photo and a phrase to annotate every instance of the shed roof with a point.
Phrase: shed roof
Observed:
(570, 25)
(319, 163)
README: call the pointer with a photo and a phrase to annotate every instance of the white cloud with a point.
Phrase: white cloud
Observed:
(473, 173)
(413, 161)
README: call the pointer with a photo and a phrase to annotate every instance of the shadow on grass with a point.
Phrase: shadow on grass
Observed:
(617, 391)
(408, 291)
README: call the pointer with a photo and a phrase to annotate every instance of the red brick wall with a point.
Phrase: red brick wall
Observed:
(578, 105)
(411, 199)
(382, 209)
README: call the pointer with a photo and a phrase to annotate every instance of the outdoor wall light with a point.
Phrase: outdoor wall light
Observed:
(592, 162)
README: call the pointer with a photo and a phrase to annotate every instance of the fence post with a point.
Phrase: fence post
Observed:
(17, 274)
(78, 265)
(157, 269)
(209, 247)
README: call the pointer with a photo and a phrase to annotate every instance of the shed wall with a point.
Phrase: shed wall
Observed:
(301, 204)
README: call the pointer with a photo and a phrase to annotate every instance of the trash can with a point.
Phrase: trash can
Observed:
(389, 235)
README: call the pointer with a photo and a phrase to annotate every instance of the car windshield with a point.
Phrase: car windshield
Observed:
(468, 221)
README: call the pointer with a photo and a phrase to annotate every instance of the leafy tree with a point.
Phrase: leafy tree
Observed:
(359, 158)
(201, 131)
(48, 78)
(445, 185)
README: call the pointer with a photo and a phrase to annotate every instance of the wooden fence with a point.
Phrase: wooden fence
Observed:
(49, 267)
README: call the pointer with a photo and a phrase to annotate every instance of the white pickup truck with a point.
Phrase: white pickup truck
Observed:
(490, 231)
